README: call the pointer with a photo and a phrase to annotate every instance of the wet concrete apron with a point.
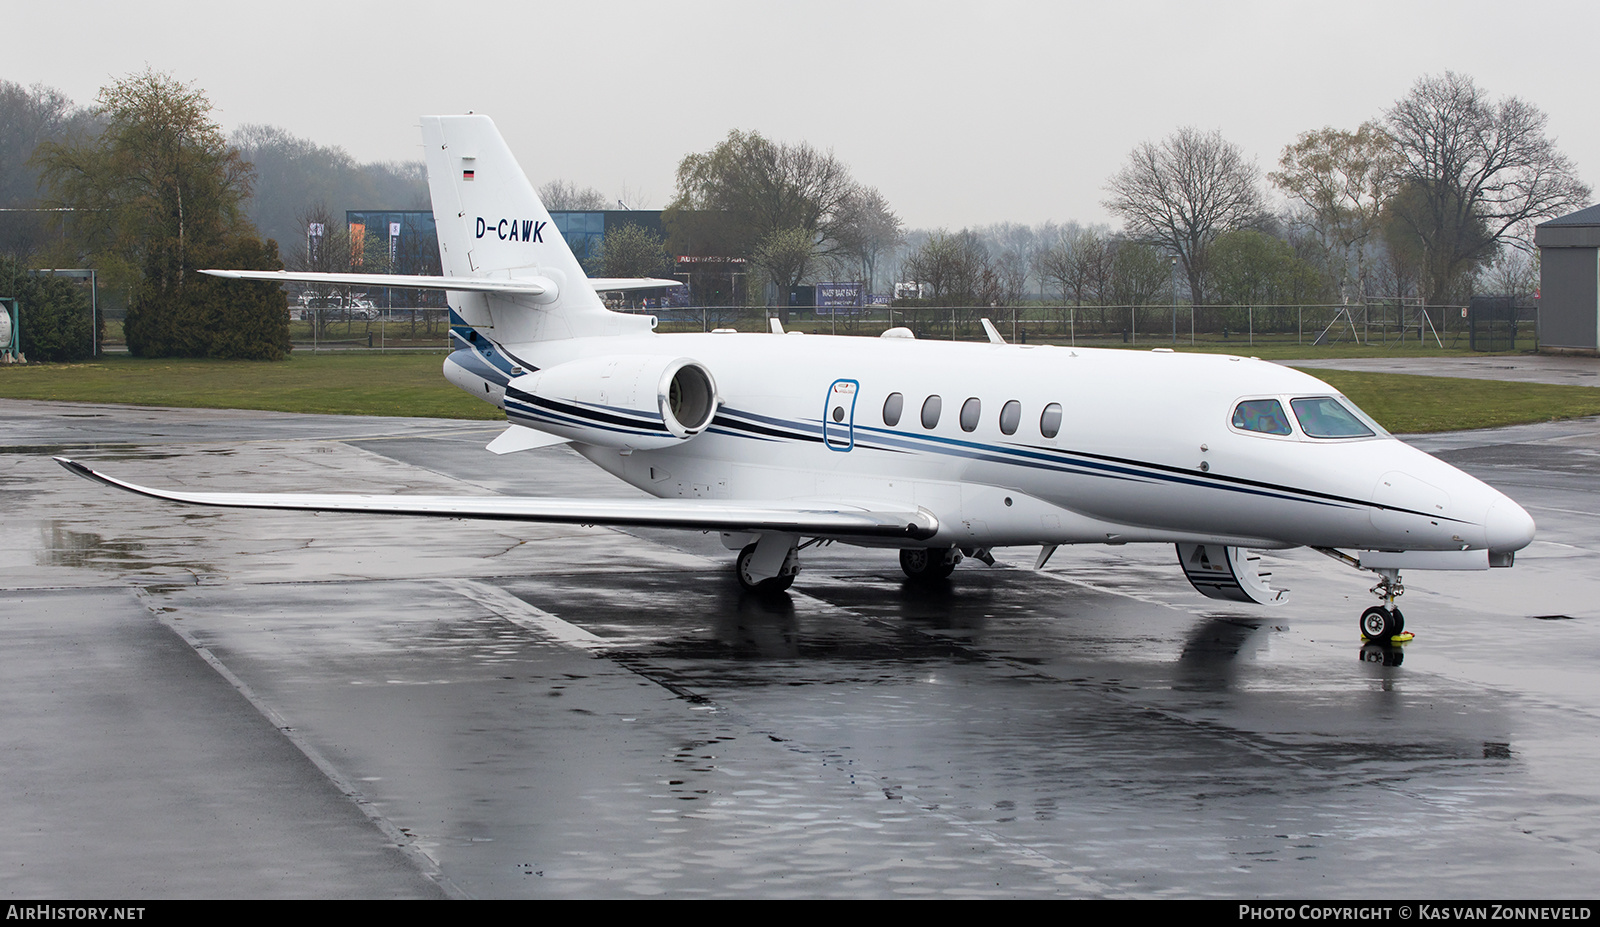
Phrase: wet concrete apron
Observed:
(199, 702)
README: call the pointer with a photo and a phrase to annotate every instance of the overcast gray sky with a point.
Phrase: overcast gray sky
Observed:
(962, 113)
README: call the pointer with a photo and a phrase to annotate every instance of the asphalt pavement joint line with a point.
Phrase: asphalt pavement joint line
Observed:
(427, 865)
(527, 616)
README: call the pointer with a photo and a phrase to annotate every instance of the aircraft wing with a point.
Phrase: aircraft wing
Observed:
(699, 514)
(534, 286)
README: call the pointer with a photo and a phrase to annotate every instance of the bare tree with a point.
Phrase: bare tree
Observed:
(1474, 175)
(1140, 274)
(1184, 192)
(867, 230)
(1011, 268)
(29, 117)
(293, 174)
(1052, 265)
(957, 271)
(558, 195)
(323, 246)
(1515, 274)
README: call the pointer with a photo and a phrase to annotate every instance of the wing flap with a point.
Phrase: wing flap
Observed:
(698, 514)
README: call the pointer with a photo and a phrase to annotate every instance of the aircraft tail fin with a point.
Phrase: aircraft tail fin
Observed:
(492, 226)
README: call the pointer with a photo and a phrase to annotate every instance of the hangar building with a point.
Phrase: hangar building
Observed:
(1569, 282)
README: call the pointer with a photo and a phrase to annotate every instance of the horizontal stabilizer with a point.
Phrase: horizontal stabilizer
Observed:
(701, 514)
(628, 284)
(537, 286)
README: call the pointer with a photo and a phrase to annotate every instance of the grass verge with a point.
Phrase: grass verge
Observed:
(1407, 404)
(339, 384)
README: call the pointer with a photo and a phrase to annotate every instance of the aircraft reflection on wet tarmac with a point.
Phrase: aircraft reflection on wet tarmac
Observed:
(281, 704)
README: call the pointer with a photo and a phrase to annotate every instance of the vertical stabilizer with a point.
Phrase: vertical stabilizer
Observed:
(491, 224)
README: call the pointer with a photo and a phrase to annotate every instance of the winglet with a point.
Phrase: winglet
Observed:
(994, 335)
(72, 466)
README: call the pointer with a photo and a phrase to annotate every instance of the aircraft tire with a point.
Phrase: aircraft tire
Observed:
(1380, 624)
(927, 564)
(762, 587)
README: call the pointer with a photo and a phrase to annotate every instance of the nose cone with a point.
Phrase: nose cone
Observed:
(1508, 526)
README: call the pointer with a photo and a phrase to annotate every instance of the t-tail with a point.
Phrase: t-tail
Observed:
(492, 227)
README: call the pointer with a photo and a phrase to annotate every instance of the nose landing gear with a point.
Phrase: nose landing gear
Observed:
(1384, 623)
(1380, 624)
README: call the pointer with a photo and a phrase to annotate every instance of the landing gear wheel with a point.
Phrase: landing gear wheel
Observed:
(924, 564)
(772, 584)
(1381, 624)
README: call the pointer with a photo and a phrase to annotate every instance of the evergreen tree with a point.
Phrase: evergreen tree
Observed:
(157, 196)
(56, 323)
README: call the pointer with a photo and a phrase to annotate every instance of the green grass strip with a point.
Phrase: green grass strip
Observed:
(1407, 404)
(338, 384)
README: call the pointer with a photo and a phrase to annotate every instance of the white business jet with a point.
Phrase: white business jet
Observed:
(940, 449)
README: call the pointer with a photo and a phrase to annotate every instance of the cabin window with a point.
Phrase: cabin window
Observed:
(1264, 416)
(892, 407)
(1010, 417)
(1050, 421)
(930, 411)
(1327, 417)
(971, 410)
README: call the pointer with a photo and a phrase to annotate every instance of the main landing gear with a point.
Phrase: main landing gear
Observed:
(773, 561)
(931, 564)
(754, 578)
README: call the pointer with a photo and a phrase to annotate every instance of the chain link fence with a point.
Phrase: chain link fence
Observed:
(1489, 324)
(1377, 322)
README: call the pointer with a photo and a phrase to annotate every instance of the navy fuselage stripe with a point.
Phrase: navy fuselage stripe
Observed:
(540, 419)
(587, 414)
(1078, 463)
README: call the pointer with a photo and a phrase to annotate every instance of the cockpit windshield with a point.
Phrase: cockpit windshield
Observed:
(1327, 417)
(1261, 415)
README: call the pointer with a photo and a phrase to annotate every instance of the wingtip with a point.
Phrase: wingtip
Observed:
(72, 466)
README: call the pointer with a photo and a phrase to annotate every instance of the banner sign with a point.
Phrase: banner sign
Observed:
(832, 297)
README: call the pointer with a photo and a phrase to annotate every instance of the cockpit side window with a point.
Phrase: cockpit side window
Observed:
(1261, 415)
(1327, 417)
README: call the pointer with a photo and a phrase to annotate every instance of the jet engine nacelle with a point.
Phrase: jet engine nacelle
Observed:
(625, 401)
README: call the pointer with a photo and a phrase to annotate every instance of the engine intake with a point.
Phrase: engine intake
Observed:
(627, 401)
